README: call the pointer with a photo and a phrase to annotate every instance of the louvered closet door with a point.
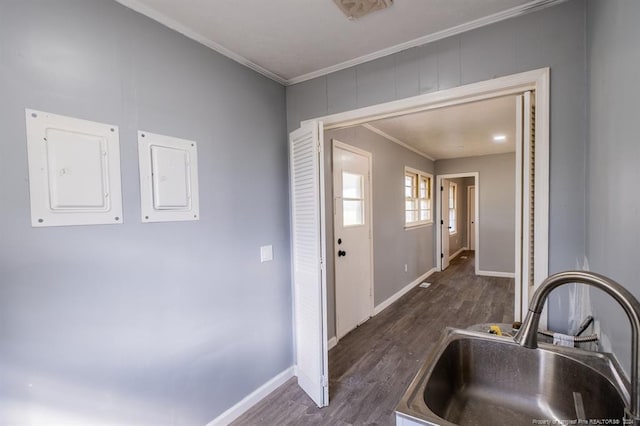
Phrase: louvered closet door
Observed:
(525, 207)
(307, 191)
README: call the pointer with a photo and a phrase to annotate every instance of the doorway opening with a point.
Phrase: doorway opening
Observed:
(309, 216)
(453, 188)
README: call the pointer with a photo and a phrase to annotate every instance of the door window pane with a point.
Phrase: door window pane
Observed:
(352, 212)
(352, 199)
(352, 185)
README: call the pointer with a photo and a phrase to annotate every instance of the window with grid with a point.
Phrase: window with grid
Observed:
(453, 192)
(417, 193)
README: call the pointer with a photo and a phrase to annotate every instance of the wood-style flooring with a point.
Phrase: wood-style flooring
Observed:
(372, 366)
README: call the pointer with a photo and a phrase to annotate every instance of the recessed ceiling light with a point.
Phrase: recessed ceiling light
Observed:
(499, 138)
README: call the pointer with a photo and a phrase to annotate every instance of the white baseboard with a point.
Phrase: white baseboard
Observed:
(252, 399)
(496, 274)
(332, 343)
(453, 256)
(381, 307)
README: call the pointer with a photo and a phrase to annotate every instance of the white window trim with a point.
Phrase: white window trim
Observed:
(419, 174)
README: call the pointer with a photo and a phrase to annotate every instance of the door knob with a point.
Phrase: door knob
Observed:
(341, 253)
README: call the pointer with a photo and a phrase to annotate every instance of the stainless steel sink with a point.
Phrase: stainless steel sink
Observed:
(475, 378)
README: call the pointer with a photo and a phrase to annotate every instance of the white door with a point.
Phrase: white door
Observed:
(444, 215)
(352, 236)
(308, 253)
(471, 215)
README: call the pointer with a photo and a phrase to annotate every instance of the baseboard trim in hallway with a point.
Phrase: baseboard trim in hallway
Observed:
(332, 343)
(497, 274)
(454, 255)
(381, 307)
(384, 305)
(252, 399)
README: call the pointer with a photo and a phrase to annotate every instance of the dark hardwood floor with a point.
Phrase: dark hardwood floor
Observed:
(372, 366)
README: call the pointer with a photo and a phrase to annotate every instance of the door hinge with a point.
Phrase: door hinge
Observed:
(441, 255)
(442, 188)
(441, 222)
(325, 382)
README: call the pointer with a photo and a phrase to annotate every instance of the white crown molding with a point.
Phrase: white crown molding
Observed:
(177, 26)
(529, 7)
(395, 140)
(532, 6)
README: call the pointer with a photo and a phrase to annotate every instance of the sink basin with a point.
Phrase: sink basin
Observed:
(475, 378)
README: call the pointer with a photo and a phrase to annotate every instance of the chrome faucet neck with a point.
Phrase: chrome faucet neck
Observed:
(527, 336)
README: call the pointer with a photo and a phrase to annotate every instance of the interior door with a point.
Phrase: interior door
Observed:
(308, 253)
(471, 202)
(444, 215)
(352, 237)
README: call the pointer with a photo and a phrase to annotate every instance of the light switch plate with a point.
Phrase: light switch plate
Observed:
(74, 171)
(168, 178)
(266, 253)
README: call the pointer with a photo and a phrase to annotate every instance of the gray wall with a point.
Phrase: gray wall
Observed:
(459, 239)
(497, 227)
(393, 246)
(553, 37)
(140, 324)
(613, 173)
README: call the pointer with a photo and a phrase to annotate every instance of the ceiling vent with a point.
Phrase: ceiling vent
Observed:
(355, 9)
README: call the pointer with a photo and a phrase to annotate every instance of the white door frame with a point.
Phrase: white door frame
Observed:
(475, 245)
(439, 178)
(369, 205)
(537, 80)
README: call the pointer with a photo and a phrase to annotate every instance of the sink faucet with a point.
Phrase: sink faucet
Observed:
(527, 336)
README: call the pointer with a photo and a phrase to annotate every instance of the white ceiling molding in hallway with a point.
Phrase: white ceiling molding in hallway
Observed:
(395, 140)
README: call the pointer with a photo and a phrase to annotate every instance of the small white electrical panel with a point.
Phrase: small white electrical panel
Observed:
(266, 253)
(168, 178)
(74, 171)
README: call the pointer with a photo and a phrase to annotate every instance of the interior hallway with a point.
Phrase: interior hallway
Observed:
(372, 366)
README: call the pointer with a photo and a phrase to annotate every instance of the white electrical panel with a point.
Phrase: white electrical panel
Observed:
(168, 178)
(74, 171)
